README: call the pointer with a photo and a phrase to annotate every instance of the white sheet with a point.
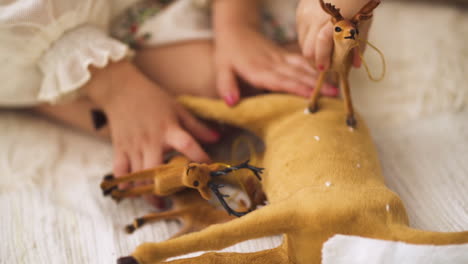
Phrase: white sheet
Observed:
(357, 250)
(52, 210)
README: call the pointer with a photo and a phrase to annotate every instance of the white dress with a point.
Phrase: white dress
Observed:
(46, 46)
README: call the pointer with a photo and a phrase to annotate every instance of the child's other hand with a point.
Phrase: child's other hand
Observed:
(241, 51)
(315, 30)
(246, 53)
(145, 121)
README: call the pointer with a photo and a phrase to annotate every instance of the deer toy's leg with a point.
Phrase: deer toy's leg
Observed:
(269, 220)
(149, 218)
(118, 195)
(422, 237)
(350, 119)
(272, 256)
(110, 183)
(313, 106)
(175, 165)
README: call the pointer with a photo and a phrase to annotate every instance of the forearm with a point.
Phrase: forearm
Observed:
(229, 13)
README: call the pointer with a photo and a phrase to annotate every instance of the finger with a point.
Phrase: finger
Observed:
(297, 74)
(272, 80)
(121, 167)
(324, 47)
(152, 156)
(357, 62)
(308, 47)
(363, 35)
(302, 33)
(301, 62)
(181, 141)
(226, 84)
(136, 161)
(329, 90)
(197, 128)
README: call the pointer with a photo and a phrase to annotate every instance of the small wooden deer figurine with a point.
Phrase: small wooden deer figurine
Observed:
(180, 174)
(345, 39)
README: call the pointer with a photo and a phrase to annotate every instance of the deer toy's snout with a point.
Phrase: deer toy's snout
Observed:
(352, 32)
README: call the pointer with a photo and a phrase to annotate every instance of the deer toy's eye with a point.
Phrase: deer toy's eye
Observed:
(338, 29)
(196, 183)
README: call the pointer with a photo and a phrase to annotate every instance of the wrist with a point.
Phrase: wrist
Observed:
(229, 14)
(106, 83)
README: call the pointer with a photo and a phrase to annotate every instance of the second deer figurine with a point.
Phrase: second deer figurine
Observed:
(346, 38)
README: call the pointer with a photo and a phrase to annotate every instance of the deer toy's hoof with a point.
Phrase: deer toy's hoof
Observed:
(116, 195)
(107, 186)
(135, 225)
(313, 108)
(109, 177)
(351, 121)
(107, 192)
(129, 229)
(127, 260)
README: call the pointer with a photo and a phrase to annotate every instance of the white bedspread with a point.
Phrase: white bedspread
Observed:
(52, 210)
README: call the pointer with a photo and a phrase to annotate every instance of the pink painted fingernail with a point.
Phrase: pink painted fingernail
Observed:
(215, 135)
(321, 67)
(230, 100)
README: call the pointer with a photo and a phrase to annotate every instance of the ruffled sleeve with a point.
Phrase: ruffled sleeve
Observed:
(65, 65)
(46, 47)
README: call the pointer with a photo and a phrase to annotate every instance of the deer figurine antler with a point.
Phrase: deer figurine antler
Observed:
(345, 39)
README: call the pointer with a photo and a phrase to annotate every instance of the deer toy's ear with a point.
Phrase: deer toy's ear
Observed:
(366, 12)
(332, 11)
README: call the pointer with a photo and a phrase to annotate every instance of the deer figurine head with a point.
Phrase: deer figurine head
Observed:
(346, 37)
(346, 31)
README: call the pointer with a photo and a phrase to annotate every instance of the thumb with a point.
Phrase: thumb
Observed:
(324, 47)
(357, 61)
(226, 84)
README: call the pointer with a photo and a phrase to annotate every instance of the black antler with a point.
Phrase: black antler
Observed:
(215, 188)
(257, 171)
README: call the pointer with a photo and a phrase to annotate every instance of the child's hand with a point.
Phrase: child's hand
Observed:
(246, 53)
(145, 121)
(315, 30)
(242, 51)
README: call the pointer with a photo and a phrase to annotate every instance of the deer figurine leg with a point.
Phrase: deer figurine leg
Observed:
(117, 195)
(313, 106)
(270, 220)
(139, 222)
(191, 210)
(174, 167)
(350, 119)
(110, 183)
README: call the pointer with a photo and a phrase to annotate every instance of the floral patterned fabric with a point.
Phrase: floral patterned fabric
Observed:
(140, 25)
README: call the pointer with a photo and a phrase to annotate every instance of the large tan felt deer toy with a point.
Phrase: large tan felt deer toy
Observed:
(346, 34)
(321, 179)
